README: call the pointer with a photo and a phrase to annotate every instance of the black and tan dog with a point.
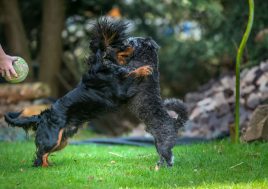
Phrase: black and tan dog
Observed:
(111, 81)
(104, 88)
(101, 90)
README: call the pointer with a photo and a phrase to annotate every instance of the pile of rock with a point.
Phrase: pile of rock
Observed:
(211, 109)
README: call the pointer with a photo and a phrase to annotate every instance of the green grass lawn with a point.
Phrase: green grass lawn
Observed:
(211, 165)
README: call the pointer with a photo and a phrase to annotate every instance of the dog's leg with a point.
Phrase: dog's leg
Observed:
(39, 158)
(165, 141)
(158, 123)
(62, 145)
(57, 147)
(45, 160)
(166, 155)
(47, 145)
(161, 158)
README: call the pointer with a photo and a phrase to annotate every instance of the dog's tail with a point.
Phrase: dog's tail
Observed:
(13, 119)
(107, 33)
(176, 109)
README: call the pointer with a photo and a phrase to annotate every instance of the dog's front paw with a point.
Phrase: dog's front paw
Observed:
(41, 161)
(143, 71)
(37, 162)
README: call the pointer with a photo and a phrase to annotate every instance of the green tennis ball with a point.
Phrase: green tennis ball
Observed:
(21, 68)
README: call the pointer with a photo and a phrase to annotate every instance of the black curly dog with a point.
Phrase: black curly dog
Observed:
(104, 88)
(147, 104)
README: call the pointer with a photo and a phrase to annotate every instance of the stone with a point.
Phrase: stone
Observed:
(250, 76)
(193, 97)
(264, 96)
(228, 82)
(212, 106)
(253, 100)
(195, 113)
(264, 66)
(209, 92)
(213, 121)
(228, 93)
(263, 87)
(247, 89)
(222, 106)
(244, 73)
(204, 102)
(258, 125)
(263, 79)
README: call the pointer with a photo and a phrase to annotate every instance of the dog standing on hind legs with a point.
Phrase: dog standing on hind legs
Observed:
(147, 104)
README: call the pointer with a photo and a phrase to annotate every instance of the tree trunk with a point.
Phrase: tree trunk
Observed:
(14, 31)
(51, 42)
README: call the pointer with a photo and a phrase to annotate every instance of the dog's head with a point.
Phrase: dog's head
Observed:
(145, 49)
(145, 54)
(142, 43)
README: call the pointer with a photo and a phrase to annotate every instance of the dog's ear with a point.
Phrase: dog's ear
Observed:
(149, 41)
(26, 123)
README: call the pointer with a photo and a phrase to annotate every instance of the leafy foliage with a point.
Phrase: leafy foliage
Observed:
(198, 38)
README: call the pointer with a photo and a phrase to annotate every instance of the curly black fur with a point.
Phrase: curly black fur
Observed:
(177, 106)
(147, 104)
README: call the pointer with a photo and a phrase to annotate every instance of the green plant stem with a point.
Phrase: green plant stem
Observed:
(238, 61)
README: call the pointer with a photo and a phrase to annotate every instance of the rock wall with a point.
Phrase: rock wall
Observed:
(212, 107)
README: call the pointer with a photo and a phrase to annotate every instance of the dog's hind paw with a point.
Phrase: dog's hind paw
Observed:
(162, 161)
(171, 162)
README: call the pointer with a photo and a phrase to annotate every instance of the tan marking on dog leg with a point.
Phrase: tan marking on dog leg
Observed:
(58, 141)
(62, 145)
(45, 156)
(44, 160)
(47, 160)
